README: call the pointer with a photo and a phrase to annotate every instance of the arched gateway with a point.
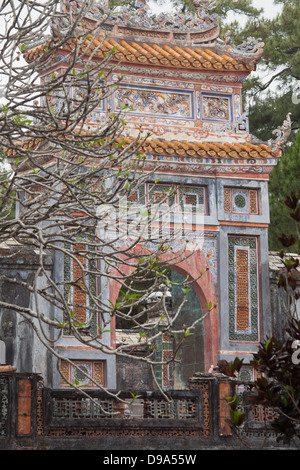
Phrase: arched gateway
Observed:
(183, 84)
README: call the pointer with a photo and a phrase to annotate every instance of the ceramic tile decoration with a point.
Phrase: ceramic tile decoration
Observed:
(84, 374)
(241, 201)
(154, 101)
(216, 108)
(243, 289)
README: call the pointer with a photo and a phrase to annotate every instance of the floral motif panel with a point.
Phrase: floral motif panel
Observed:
(241, 201)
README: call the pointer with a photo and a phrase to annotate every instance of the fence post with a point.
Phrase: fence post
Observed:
(24, 406)
(216, 411)
(224, 389)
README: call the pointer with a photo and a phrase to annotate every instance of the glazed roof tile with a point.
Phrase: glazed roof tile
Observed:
(184, 148)
(152, 54)
(203, 149)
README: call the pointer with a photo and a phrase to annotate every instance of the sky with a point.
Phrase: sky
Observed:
(270, 9)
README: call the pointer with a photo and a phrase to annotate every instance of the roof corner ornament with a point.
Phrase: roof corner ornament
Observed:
(250, 49)
(252, 45)
(283, 133)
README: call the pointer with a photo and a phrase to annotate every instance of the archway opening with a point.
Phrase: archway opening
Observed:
(186, 347)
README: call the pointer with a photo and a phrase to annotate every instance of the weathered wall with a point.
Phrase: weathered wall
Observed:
(133, 375)
(22, 348)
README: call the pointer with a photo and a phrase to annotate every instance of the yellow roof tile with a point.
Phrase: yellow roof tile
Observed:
(166, 54)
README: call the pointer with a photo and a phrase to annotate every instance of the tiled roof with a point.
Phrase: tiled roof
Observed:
(153, 54)
(26, 145)
(203, 149)
(185, 148)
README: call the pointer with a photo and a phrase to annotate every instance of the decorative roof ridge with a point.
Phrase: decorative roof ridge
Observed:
(251, 48)
(282, 135)
(198, 33)
(178, 22)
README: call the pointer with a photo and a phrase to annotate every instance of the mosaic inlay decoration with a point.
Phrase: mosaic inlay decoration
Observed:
(192, 199)
(85, 374)
(136, 195)
(243, 289)
(188, 199)
(241, 201)
(164, 352)
(246, 374)
(216, 107)
(161, 194)
(154, 101)
(4, 406)
(79, 302)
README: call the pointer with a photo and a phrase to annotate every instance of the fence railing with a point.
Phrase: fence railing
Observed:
(34, 416)
(183, 408)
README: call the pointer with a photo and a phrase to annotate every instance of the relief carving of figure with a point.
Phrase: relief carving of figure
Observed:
(149, 101)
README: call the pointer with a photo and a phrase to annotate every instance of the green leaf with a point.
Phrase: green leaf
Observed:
(134, 396)
(237, 416)
(188, 333)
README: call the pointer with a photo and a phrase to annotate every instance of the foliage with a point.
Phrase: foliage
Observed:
(279, 387)
(281, 65)
(285, 178)
(236, 414)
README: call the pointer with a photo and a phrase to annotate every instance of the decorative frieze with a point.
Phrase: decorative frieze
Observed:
(181, 73)
(154, 101)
